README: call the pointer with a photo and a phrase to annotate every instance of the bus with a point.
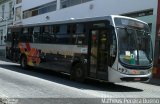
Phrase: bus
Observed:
(111, 48)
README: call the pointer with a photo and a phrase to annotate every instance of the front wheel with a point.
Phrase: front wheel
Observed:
(23, 62)
(78, 73)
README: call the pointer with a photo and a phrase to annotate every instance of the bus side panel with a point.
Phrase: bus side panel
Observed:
(51, 56)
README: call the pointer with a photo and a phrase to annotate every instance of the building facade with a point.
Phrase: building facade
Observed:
(6, 18)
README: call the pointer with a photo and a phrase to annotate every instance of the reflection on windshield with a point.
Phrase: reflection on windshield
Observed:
(135, 47)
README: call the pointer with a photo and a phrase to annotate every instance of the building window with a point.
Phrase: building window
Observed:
(83, 1)
(3, 10)
(139, 13)
(68, 3)
(10, 10)
(18, 1)
(43, 10)
(34, 12)
(47, 7)
(18, 13)
(27, 14)
(64, 3)
(40, 10)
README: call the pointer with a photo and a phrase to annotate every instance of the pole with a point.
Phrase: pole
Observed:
(6, 25)
(6, 32)
(1, 32)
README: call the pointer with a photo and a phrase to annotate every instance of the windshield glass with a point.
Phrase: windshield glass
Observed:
(135, 46)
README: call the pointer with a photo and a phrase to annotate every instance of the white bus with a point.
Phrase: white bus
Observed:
(112, 48)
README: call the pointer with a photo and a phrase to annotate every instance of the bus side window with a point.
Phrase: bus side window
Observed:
(62, 37)
(80, 34)
(47, 34)
(30, 33)
(25, 36)
(54, 31)
(36, 37)
(36, 34)
(72, 33)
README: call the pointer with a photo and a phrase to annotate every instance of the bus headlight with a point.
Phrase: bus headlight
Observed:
(122, 70)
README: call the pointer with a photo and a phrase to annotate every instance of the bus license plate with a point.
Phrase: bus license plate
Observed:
(137, 79)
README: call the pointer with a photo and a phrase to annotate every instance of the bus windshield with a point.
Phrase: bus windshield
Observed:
(135, 46)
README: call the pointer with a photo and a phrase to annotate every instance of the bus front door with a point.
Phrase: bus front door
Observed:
(99, 54)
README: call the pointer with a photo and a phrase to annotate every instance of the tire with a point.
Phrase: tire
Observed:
(23, 62)
(78, 73)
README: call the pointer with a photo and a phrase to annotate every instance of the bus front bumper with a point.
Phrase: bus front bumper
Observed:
(115, 76)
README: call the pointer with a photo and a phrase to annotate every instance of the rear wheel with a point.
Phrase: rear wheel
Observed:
(24, 62)
(78, 73)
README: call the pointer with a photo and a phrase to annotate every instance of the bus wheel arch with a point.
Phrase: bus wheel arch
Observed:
(78, 72)
(23, 61)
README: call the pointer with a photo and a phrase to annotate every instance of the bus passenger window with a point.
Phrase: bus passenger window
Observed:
(80, 28)
(71, 29)
(55, 29)
(63, 29)
(30, 33)
(46, 35)
(36, 34)
(62, 37)
(79, 37)
(24, 37)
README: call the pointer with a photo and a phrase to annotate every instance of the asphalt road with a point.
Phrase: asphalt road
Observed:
(39, 86)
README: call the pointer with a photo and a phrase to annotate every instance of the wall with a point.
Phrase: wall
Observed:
(100, 8)
(3, 23)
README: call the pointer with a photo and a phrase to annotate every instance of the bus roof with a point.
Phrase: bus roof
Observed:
(73, 20)
(118, 16)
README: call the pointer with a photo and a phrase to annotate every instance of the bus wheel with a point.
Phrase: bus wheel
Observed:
(23, 62)
(78, 73)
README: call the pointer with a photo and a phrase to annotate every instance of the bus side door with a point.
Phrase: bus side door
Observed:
(99, 53)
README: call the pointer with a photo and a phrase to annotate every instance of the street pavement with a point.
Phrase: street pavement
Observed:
(40, 86)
